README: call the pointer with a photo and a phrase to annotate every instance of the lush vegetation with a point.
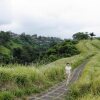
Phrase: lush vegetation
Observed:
(65, 49)
(20, 81)
(80, 36)
(26, 49)
(88, 85)
(83, 36)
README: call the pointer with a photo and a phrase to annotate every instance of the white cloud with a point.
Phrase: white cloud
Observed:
(52, 17)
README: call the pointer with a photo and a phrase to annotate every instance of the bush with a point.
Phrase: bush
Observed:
(21, 80)
(80, 36)
(5, 76)
(65, 49)
(31, 90)
(6, 96)
(52, 58)
(18, 92)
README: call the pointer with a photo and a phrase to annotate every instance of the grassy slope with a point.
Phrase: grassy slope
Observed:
(4, 50)
(19, 80)
(88, 86)
(7, 50)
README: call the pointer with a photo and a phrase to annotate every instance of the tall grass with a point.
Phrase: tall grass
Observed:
(88, 86)
(22, 80)
(18, 80)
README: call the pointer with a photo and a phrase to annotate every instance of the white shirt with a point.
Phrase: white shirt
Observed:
(68, 69)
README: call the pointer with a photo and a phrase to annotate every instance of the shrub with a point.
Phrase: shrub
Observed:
(18, 92)
(52, 58)
(6, 96)
(5, 76)
(21, 80)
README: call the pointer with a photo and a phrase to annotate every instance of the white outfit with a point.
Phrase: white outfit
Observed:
(68, 72)
(68, 69)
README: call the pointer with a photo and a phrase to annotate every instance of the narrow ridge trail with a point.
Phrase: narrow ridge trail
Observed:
(59, 91)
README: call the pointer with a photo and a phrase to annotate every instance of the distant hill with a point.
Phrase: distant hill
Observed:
(25, 48)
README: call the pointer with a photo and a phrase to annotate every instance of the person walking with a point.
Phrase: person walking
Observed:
(68, 72)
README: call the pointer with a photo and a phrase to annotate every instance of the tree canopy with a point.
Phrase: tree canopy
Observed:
(80, 36)
(92, 35)
(27, 49)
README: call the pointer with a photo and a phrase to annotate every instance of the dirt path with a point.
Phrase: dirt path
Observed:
(59, 91)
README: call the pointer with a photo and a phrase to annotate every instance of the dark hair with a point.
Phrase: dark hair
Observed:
(67, 63)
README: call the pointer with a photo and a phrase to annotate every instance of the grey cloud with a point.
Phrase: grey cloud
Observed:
(42, 19)
(5, 12)
(49, 28)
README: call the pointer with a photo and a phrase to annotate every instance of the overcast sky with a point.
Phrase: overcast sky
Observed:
(60, 18)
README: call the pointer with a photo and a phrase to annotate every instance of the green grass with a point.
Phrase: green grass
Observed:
(21, 80)
(88, 85)
(7, 49)
(18, 80)
(6, 96)
(14, 45)
(4, 50)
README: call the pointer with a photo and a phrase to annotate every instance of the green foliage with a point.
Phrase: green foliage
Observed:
(52, 58)
(98, 38)
(18, 92)
(64, 49)
(5, 58)
(21, 80)
(29, 91)
(23, 48)
(4, 37)
(80, 36)
(6, 96)
(88, 85)
(4, 77)
(26, 49)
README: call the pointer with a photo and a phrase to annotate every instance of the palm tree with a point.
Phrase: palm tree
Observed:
(92, 35)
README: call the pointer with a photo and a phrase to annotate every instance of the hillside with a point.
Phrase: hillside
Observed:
(14, 47)
(88, 85)
(27, 49)
(20, 81)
